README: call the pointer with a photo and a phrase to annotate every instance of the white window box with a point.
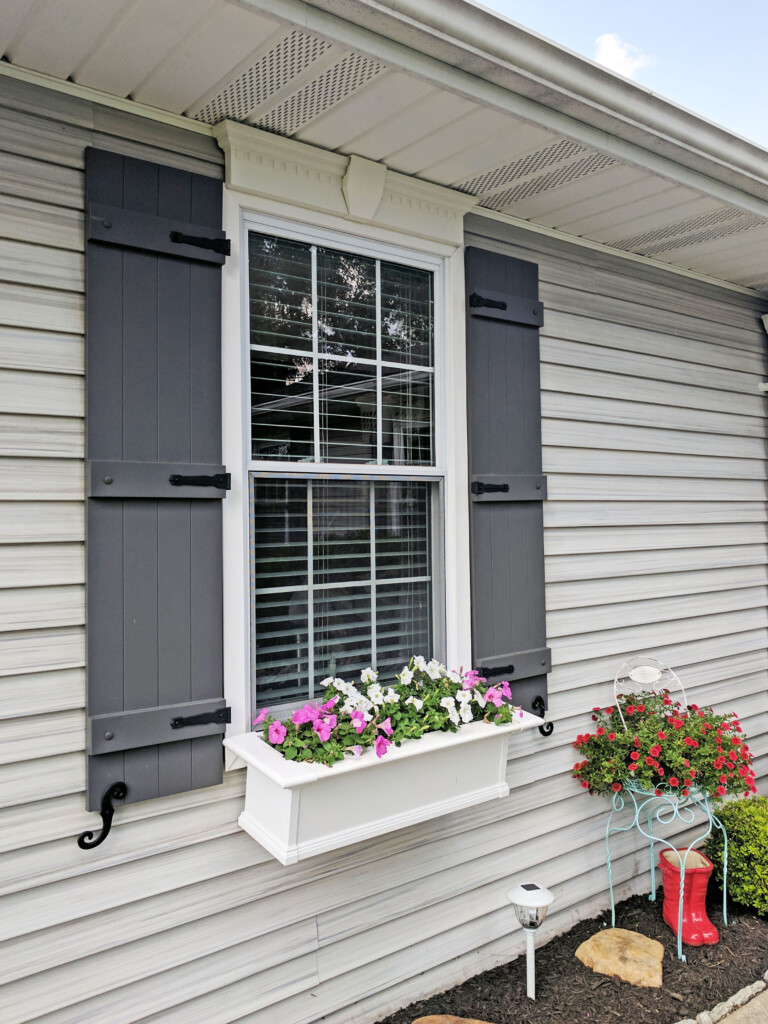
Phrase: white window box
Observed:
(300, 810)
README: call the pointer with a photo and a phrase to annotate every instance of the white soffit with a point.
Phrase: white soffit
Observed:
(300, 72)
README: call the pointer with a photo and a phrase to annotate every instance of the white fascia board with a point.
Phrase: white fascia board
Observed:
(477, 54)
(105, 99)
(531, 228)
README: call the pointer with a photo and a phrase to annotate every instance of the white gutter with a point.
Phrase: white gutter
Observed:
(544, 83)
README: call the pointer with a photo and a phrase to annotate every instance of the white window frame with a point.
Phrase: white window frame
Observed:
(450, 470)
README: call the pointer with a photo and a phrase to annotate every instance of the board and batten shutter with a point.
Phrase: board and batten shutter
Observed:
(154, 564)
(507, 488)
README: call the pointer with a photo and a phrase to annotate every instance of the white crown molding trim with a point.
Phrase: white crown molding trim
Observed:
(355, 189)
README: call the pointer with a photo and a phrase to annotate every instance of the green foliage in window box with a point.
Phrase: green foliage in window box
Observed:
(424, 697)
(746, 824)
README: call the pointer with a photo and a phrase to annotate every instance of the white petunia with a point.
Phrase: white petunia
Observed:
(466, 713)
(375, 693)
(463, 696)
(479, 698)
(420, 664)
(391, 697)
(368, 676)
(450, 705)
(455, 677)
(418, 704)
(434, 669)
(357, 702)
(406, 676)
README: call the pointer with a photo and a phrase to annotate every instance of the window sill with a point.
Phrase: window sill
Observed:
(296, 811)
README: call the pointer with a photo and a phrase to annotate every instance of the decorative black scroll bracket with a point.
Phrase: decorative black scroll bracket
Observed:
(220, 480)
(539, 709)
(117, 791)
(220, 245)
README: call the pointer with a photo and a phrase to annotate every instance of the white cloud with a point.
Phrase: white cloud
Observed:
(619, 56)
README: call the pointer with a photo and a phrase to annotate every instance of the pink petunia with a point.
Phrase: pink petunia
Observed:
(357, 750)
(505, 690)
(494, 696)
(386, 726)
(331, 720)
(323, 729)
(358, 721)
(261, 716)
(276, 732)
(471, 679)
(329, 704)
(309, 713)
(381, 746)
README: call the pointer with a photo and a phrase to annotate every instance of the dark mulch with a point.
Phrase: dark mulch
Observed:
(569, 992)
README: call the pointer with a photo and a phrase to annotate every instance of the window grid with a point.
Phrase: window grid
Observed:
(345, 321)
(411, 371)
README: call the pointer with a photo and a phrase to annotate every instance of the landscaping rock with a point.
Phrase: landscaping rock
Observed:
(447, 1018)
(624, 954)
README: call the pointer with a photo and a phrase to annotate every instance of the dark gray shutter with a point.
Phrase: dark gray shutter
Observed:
(506, 484)
(154, 564)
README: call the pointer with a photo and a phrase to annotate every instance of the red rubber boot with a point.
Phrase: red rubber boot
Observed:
(698, 930)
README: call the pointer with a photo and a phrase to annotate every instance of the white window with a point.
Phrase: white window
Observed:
(345, 484)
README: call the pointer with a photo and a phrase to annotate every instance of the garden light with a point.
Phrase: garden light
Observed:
(531, 903)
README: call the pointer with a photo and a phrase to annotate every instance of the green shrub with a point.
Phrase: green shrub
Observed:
(746, 823)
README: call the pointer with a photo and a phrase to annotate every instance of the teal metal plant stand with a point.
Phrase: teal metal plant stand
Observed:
(646, 807)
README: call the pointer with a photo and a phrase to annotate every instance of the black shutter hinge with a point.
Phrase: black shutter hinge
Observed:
(476, 300)
(219, 245)
(506, 670)
(220, 480)
(478, 487)
(220, 717)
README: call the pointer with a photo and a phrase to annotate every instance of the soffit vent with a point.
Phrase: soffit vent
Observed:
(526, 165)
(708, 227)
(757, 281)
(564, 175)
(275, 69)
(347, 76)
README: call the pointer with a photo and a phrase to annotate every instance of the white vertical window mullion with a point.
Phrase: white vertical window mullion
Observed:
(310, 596)
(379, 409)
(372, 528)
(315, 359)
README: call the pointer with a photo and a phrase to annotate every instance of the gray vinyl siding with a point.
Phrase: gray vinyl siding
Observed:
(655, 539)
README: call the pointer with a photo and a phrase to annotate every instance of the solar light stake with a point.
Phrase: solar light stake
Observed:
(531, 903)
(530, 962)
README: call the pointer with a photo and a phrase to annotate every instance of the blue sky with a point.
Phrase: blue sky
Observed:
(711, 57)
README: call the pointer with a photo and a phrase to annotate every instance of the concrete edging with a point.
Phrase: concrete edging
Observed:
(722, 1010)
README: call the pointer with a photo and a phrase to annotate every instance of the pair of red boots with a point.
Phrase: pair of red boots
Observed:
(697, 929)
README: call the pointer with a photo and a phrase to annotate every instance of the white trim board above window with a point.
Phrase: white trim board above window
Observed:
(438, 474)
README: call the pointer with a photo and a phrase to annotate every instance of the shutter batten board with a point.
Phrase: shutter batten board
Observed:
(154, 572)
(131, 230)
(507, 487)
(117, 479)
